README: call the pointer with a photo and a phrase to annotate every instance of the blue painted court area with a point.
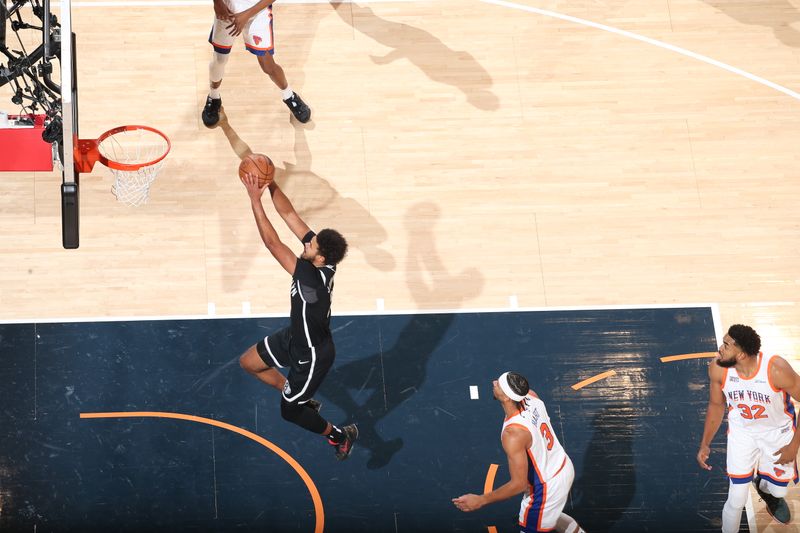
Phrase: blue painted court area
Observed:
(404, 379)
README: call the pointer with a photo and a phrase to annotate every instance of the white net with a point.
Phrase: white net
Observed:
(134, 146)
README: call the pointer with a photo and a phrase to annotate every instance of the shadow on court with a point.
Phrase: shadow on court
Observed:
(602, 486)
(368, 389)
(780, 15)
(435, 59)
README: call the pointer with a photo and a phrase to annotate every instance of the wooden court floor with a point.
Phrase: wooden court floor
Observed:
(477, 153)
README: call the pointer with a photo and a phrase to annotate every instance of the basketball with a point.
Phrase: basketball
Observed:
(260, 165)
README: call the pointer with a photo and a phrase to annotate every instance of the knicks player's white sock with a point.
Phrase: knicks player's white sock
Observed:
(567, 524)
(287, 92)
(732, 511)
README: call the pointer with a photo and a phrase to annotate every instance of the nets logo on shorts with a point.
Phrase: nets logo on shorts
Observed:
(287, 390)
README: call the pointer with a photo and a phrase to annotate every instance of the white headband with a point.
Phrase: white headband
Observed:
(506, 388)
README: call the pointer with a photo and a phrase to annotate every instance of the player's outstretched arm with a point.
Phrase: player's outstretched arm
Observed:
(287, 212)
(515, 443)
(783, 377)
(714, 414)
(279, 251)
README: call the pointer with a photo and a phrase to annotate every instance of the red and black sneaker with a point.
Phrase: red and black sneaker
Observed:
(344, 448)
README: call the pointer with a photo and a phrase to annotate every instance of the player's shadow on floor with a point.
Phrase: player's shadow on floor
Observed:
(606, 486)
(392, 376)
(779, 15)
(435, 59)
(315, 200)
(320, 205)
(239, 147)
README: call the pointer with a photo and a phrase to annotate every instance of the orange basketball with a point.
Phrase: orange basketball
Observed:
(260, 165)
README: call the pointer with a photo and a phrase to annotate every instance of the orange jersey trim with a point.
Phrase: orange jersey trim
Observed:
(769, 375)
(533, 498)
(758, 368)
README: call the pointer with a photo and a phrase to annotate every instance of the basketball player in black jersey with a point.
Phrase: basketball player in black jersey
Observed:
(306, 346)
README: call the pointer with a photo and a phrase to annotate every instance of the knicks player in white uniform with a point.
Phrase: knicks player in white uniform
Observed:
(538, 464)
(756, 390)
(252, 19)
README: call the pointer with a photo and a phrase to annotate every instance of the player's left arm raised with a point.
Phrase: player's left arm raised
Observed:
(278, 249)
(783, 377)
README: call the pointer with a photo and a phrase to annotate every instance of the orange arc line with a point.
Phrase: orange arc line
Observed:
(701, 355)
(592, 379)
(489, 485)
(312, 488)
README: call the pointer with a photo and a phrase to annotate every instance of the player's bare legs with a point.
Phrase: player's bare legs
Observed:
(251, 362)
(296, 105)
(273, 70)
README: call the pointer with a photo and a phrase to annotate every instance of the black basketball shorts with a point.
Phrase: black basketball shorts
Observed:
(307, 366)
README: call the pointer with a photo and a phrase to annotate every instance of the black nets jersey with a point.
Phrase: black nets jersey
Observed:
(311, 301)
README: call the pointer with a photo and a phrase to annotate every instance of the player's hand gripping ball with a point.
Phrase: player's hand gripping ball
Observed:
(259, 165)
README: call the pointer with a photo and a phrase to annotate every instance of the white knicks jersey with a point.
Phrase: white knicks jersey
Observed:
(546, 457)
(754, 404)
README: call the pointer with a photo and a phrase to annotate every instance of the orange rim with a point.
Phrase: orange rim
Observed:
(110, 163)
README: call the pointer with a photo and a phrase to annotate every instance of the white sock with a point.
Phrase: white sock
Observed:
(214, 93)
(287, 92)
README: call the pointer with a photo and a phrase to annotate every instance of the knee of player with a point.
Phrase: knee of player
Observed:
(290, 411)
(219, 59)
(268, 65)
(737, 495)
(244, 362)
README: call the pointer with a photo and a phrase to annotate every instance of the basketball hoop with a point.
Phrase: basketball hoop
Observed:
(134, 154)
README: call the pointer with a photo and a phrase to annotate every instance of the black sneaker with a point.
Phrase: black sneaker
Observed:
(298, 108)
(776, 507)
(211, 111)
(344, 448)
(314, 404)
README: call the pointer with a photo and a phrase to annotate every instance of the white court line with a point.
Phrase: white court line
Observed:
(648, 40)
(212, 309)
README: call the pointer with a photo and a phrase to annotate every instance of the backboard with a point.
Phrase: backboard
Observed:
(70, 212)
(45, 128)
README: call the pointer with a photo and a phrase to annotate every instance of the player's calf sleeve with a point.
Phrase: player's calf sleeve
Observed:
(732, 511)
(567, 524)
(303, 416)
(216, 68)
